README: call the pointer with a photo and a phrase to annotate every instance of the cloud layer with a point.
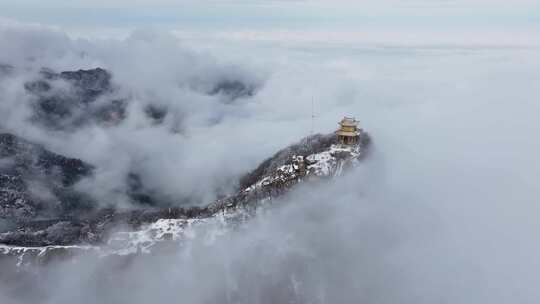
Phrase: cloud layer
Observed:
(442, 211)
(149, 69)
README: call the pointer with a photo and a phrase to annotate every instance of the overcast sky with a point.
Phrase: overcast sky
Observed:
(101, 17)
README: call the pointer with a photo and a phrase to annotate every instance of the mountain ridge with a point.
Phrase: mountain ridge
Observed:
(41, 210)
(313, 158)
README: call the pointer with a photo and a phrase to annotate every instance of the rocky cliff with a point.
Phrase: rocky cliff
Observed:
(34, 181)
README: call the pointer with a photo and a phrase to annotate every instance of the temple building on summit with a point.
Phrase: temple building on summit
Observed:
(348, 132)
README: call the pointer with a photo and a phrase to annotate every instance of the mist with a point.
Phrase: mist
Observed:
(442, 211)
(149, 69)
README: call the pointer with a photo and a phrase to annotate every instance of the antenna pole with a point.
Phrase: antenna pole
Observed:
(312, 115)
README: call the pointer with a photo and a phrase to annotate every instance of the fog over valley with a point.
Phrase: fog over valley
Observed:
(440, 204)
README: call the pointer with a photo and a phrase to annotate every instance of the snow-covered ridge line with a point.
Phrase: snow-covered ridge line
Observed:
(323, 164)
(287, 168)
(124, 243)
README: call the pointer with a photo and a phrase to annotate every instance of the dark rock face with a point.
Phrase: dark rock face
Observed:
(156, 113)
(34, 181)
(71, 99)
(64, 216)
(66, 100)
(91, 83)
(16, 203)
(139, 195)
(233, 89)
(87, 84)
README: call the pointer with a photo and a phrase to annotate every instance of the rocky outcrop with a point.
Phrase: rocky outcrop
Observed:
(87, 85)
(67, 100)
(38, 184)
(34, 181)
(233, 89)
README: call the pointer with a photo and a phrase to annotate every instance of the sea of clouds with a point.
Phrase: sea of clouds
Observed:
(444, 210)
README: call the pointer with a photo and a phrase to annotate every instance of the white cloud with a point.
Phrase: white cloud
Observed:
(444, 210)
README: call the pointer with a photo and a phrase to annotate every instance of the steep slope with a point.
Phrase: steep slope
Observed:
(34, 181)
(67, 100)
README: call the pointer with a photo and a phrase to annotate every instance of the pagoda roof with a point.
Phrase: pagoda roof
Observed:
(348, 122)
(347, 133)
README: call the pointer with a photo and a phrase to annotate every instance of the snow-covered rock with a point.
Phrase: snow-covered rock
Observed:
(314, 158)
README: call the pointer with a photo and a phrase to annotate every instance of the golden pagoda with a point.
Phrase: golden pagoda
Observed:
(348, 131)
